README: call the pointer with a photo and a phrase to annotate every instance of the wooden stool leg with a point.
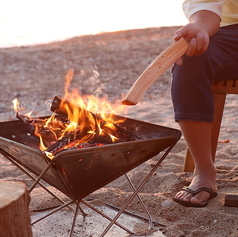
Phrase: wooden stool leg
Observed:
(219, 103)
(188, 162)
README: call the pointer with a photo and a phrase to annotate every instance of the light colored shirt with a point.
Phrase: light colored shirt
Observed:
(227, 10)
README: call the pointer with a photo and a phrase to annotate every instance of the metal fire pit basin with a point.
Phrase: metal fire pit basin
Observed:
(77, 173)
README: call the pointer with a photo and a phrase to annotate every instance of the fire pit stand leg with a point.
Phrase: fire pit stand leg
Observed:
(52, 212)
(137, 190)
(151, 225)
(41, 175)
(132, 214)
(9, 157)
(75, 216)
(107, 217)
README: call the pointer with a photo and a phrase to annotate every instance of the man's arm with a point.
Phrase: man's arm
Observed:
(203, 24)
(207, 20)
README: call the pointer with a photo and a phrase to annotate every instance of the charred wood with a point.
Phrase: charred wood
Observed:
(29, 120)
(62, 142)
(59, 107)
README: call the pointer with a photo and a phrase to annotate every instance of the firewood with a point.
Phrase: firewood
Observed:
(127, 134)
(14, 210)
(29, 120)
(231, 200)
(86, 134)
(61, 143)
(58, 107)
(160, 64)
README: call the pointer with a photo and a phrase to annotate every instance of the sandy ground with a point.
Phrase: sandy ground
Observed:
(111, 62)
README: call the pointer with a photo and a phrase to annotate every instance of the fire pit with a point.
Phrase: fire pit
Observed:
(79, 172)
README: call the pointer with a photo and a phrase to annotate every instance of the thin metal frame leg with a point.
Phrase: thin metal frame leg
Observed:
(132, 214)
(137, 190)
(7, 156)
(75, 216)
(151, 225)
(107, 217)
(41, 175)
(52, 212)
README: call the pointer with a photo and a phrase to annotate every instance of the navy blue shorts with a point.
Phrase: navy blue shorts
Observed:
(191, 85)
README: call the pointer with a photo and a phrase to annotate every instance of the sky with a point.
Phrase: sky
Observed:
(25, 22)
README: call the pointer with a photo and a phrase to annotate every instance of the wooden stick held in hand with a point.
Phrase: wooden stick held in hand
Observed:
(159, 65)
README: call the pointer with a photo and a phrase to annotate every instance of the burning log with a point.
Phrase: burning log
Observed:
(71, 141)
(26, 119)
(50, 131)
(59, 106)
(61, 143)
(59, 147)
(65, 109)
(72, 127)
(126, 134)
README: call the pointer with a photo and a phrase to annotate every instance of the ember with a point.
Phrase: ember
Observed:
(73, 126)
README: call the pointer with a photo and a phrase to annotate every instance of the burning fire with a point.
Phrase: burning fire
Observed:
(84, 118)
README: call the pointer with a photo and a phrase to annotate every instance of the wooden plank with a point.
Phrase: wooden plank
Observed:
(226, 87)
(231, 200)
(160, 64)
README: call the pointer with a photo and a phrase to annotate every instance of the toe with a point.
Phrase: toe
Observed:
(187, 197)
(183, 196)
(200, 197)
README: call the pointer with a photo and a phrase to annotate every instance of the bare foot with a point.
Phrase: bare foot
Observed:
(200, 180)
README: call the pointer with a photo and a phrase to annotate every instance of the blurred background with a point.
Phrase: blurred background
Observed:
(30, 22)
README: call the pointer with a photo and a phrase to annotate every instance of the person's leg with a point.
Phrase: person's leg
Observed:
(194, 108)
(199, 143)
(193, 104)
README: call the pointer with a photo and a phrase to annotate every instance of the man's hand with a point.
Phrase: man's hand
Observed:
(197, 38)
(203, 24)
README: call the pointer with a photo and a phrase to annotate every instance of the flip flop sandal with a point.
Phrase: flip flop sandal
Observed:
(190, 204)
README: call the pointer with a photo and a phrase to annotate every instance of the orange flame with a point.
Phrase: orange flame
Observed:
(16, 104)
(90, 117)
